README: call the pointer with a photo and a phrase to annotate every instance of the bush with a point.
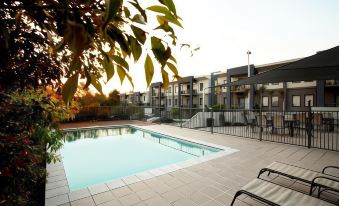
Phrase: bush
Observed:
(28, 138)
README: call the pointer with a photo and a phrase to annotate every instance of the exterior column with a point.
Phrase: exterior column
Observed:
(251, 91)
(159, 95)
(228, 93)
(211, 95)
(320, 93)
(179, 94)
(191, 93)
(285, 96)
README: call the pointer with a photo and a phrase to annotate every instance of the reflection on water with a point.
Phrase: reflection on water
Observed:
(181, 145)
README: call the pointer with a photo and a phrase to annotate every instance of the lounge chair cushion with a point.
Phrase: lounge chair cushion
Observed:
(281, 195)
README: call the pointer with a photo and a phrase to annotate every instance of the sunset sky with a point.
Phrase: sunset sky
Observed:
(224, 30)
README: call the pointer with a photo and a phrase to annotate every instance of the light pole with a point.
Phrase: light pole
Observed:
(248, 63)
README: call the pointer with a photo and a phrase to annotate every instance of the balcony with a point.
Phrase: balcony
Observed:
(332, 83)
(240, 89)
(187, 92)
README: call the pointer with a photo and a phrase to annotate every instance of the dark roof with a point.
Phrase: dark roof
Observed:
(321, 66)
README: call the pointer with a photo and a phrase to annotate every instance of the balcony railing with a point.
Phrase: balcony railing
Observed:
(240, 89)
(187, 92)
(332, 82)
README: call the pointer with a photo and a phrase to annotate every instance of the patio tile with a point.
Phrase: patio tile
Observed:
(212, 203)
(66, 204)
(111, 203)
(138, 186)
(174, 183)
(56, 178)
(224, 199)
(88, 201)
(144, 175)
(57, 200)
(122, 191)
(211, 191)
(161, 188)
(130, 199)
(96, 189)
(157, 172)
(78, 194)
(172, 196)
(185, 190)
(56, 191)
(103, 197)
(199, 198)
(114, 184)
(56, 173)
(130, 179)
(157, 201)
(57, 184)
(146, 194)
(184, 202)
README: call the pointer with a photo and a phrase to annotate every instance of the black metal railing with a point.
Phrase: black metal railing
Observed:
(316, 129)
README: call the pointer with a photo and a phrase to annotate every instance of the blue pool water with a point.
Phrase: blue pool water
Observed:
(94, 156)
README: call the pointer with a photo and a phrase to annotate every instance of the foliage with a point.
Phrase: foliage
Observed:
(89, 38)
(27, 141)
(94, 100)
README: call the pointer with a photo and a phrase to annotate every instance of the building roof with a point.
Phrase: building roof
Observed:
(320, 66)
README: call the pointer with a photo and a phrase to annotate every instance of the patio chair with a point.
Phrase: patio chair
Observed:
(250, 123)
(273, 194)
(268, 123)
(279, 124)
(321, 180)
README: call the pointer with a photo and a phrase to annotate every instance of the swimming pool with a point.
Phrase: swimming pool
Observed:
(96, 155)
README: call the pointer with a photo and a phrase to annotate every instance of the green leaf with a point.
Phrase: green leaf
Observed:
(120, 61)
(139, 19)
(75, 65)
(121, 73)
(165, 80)
(149, 69)
(159, 9)
(139, 34)
(70, 87)
(172, 68)
(173, 59)
(109, 68)
(138, 7)
(117, 36)
(96, 83)
(157, 44)
(112, 8)
(127, 12)
(136, 48)
(171, 6)
(167, 18)
(130, 80)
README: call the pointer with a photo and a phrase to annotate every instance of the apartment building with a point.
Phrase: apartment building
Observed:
(189, 92)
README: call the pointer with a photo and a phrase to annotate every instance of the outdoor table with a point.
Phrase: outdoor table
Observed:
(290, 125)
(330, 123)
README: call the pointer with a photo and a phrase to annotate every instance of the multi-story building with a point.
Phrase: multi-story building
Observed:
(189, 92)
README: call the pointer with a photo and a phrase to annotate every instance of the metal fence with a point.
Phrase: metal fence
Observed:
(317, 129)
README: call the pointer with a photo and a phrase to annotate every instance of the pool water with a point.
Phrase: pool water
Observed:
(93, 156)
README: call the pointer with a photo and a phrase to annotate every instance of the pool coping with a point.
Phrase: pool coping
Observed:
(58, 192)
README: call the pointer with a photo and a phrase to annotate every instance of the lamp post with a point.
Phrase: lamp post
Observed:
(248, 63)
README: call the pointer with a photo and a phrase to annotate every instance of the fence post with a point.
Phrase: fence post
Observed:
(180, 115)
(212, 121)
(260, 124)
(309, 125)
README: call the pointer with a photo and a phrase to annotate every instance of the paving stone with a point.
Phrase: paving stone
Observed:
(184, 202)
(212, 203)
(114, 184)
(130, 199)
(138, 186)
(88, 201)
(57, 184)
(146, 194)
(57, 191)
(172, 196)
(103, 197)
(96, 189)
(199, 198)
(114, 202)
(79, 194)
(122, 191)
(57, 200)
(157, 201)
(211, 191)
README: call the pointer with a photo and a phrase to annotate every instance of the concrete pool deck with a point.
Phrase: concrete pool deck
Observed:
(213, 182)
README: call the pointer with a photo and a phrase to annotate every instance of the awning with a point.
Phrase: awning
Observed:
(322, 66)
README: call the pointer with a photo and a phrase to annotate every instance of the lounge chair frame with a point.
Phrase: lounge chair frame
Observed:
(313, 183)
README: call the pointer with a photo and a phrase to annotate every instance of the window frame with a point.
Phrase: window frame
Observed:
(268, 101)
(306, 103)
(277, 101)
(293, 100)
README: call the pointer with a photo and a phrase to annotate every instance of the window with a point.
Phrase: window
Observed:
(296, 101)
(265, 101)
(309, 98)
(176, 89)
(187, 101)
(200, 101)
(176, 102)
(169, 102)
(188, 87)
(275, 83)
(337, 100)
(144, 98)
(295, 82)
(275, 101)
(201, 87)
(224, 100)
(169, 90)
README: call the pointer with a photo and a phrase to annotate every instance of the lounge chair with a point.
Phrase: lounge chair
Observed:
(320, 180)
(273, 194)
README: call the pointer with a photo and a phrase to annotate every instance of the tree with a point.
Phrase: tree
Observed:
(87, 38)
(113, 98)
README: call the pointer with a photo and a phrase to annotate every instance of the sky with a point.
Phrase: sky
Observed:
(226, 29)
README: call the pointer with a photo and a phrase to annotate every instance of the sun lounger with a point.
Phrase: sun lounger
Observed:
(320, 180)
(273, 194)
